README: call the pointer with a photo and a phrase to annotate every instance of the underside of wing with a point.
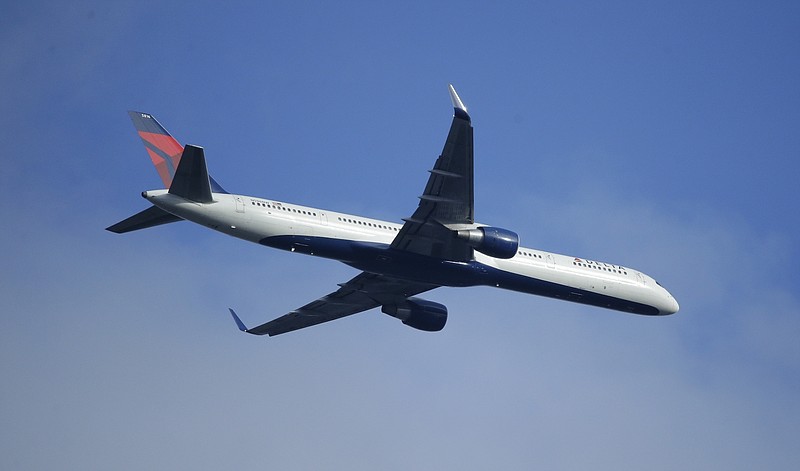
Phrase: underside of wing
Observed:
(365, 291)
(448, 198)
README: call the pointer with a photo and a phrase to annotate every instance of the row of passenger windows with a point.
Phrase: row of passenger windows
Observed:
(528, 254)
(368, 224)
(282, 208)
(597, 267)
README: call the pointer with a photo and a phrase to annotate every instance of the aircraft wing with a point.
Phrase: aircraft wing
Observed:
(448, 197)
(365, 291)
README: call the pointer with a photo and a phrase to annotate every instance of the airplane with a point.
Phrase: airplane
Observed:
(439, 244)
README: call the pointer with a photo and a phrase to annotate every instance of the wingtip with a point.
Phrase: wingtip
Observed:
(238, 321)
(458, 106)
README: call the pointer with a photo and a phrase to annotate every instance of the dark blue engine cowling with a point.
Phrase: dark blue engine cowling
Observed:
(419, 314)
(492, 241)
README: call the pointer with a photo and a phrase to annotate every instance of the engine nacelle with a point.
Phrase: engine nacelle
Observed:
(419, 314)
(492, 241)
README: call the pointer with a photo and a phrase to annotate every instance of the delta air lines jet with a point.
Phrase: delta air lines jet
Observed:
(439, 244)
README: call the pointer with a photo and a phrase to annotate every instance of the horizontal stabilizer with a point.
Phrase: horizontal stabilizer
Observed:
(150, 217)
(191, 177)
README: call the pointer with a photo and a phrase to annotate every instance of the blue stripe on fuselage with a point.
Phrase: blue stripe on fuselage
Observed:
(382, 259)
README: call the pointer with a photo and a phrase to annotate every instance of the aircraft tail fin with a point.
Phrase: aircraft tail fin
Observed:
(150, 217)
(182, 169)
(191, 179)
(164, 150)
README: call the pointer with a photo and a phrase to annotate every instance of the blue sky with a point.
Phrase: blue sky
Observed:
(658, 135)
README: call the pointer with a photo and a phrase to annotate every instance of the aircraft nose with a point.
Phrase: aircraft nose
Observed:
(671, 306)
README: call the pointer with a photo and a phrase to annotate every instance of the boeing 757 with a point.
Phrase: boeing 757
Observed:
(439, 244)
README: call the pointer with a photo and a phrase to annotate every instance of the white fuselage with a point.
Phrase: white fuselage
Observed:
(360, 242)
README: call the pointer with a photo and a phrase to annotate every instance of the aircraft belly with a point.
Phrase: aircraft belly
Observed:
(608, 295)
(379, 258)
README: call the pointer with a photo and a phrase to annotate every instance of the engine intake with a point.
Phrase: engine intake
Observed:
(419, 314)
(492, 241)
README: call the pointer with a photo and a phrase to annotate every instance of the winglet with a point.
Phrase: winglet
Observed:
(238, 321)
(458, 105)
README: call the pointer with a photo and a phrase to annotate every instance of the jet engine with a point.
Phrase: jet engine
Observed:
(492, 241)
(419, 314)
